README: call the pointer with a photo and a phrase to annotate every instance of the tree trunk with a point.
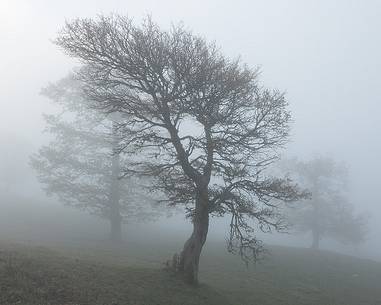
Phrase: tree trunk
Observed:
(114, 197)
(115, 217)
(190, 256)
(316, 218)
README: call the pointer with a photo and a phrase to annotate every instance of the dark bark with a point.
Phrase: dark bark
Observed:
(190, 256)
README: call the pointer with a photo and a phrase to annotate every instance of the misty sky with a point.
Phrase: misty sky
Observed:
(326, 55)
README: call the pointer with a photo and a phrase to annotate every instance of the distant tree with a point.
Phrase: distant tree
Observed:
(209, 128)
(328, 213)
(83, 163)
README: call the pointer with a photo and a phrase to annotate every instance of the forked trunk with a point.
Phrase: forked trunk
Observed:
(190, 256)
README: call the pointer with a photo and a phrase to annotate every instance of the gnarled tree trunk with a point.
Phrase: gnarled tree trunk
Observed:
(190, 256)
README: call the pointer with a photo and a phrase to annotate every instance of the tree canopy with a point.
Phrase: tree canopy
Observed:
(328, 213)
(207, 128)
(82, 164)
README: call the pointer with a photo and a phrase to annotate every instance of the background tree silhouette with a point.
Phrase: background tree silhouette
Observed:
(328, 213)
(83, 163)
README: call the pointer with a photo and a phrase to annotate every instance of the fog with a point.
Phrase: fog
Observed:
(324, 54)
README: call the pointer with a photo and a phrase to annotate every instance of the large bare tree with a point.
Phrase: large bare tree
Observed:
(82, 164)
(208, 128)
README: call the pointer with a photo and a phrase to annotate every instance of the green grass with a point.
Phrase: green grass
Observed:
(133, 275)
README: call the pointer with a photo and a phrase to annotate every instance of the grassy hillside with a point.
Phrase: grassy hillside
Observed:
(134, 276)
(39, 276)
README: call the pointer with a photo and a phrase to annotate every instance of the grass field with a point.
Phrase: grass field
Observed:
(98, 274)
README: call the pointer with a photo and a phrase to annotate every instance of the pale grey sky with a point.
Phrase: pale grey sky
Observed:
(326, 54)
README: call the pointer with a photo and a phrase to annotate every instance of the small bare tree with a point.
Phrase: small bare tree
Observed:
(209, 129)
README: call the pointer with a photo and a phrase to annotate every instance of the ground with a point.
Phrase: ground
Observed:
(101, 274)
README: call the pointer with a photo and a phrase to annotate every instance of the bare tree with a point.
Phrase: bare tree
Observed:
(209, 128)
(83, 164)
(328, 213)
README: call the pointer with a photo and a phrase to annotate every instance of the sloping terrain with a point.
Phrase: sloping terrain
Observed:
(37, 275)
